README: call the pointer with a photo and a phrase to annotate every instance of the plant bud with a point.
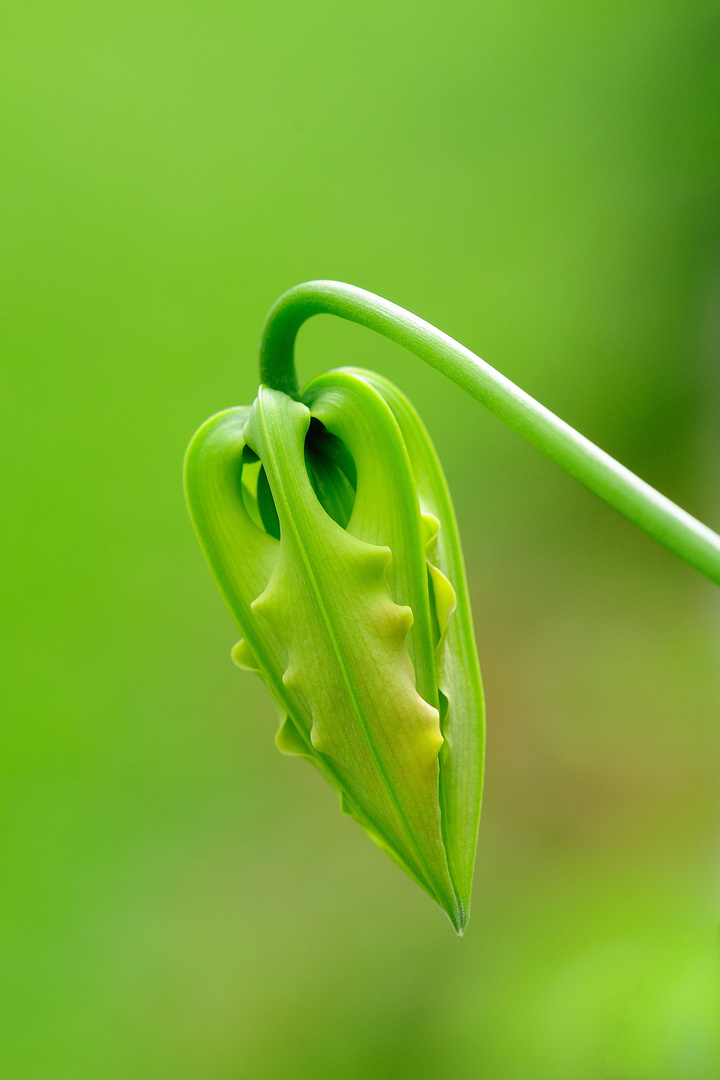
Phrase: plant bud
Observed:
(329, 529)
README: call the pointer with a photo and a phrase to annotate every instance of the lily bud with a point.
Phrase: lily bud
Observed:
(329, 529)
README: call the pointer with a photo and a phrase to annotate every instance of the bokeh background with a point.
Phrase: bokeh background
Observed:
(539, 178)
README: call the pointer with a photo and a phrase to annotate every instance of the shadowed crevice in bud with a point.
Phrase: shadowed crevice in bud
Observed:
(332, 472)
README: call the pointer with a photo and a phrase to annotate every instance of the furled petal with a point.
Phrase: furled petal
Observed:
(463, 723)
(330, 603)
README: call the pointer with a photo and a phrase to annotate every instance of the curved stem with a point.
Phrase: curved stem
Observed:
(662, 519)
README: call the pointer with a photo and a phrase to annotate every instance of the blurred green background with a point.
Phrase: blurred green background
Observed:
(542, 181)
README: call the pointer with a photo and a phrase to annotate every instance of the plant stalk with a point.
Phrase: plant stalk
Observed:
(677, 530)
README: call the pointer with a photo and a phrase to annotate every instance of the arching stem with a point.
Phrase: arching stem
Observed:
(659, 517)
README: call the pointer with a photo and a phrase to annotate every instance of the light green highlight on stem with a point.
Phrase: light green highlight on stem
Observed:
(673, 527)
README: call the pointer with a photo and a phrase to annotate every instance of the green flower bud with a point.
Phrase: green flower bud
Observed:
(330, 532)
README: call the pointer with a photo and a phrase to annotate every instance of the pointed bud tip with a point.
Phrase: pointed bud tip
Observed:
(459, 918)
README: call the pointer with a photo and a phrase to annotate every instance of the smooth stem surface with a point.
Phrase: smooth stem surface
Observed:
(662, 519)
